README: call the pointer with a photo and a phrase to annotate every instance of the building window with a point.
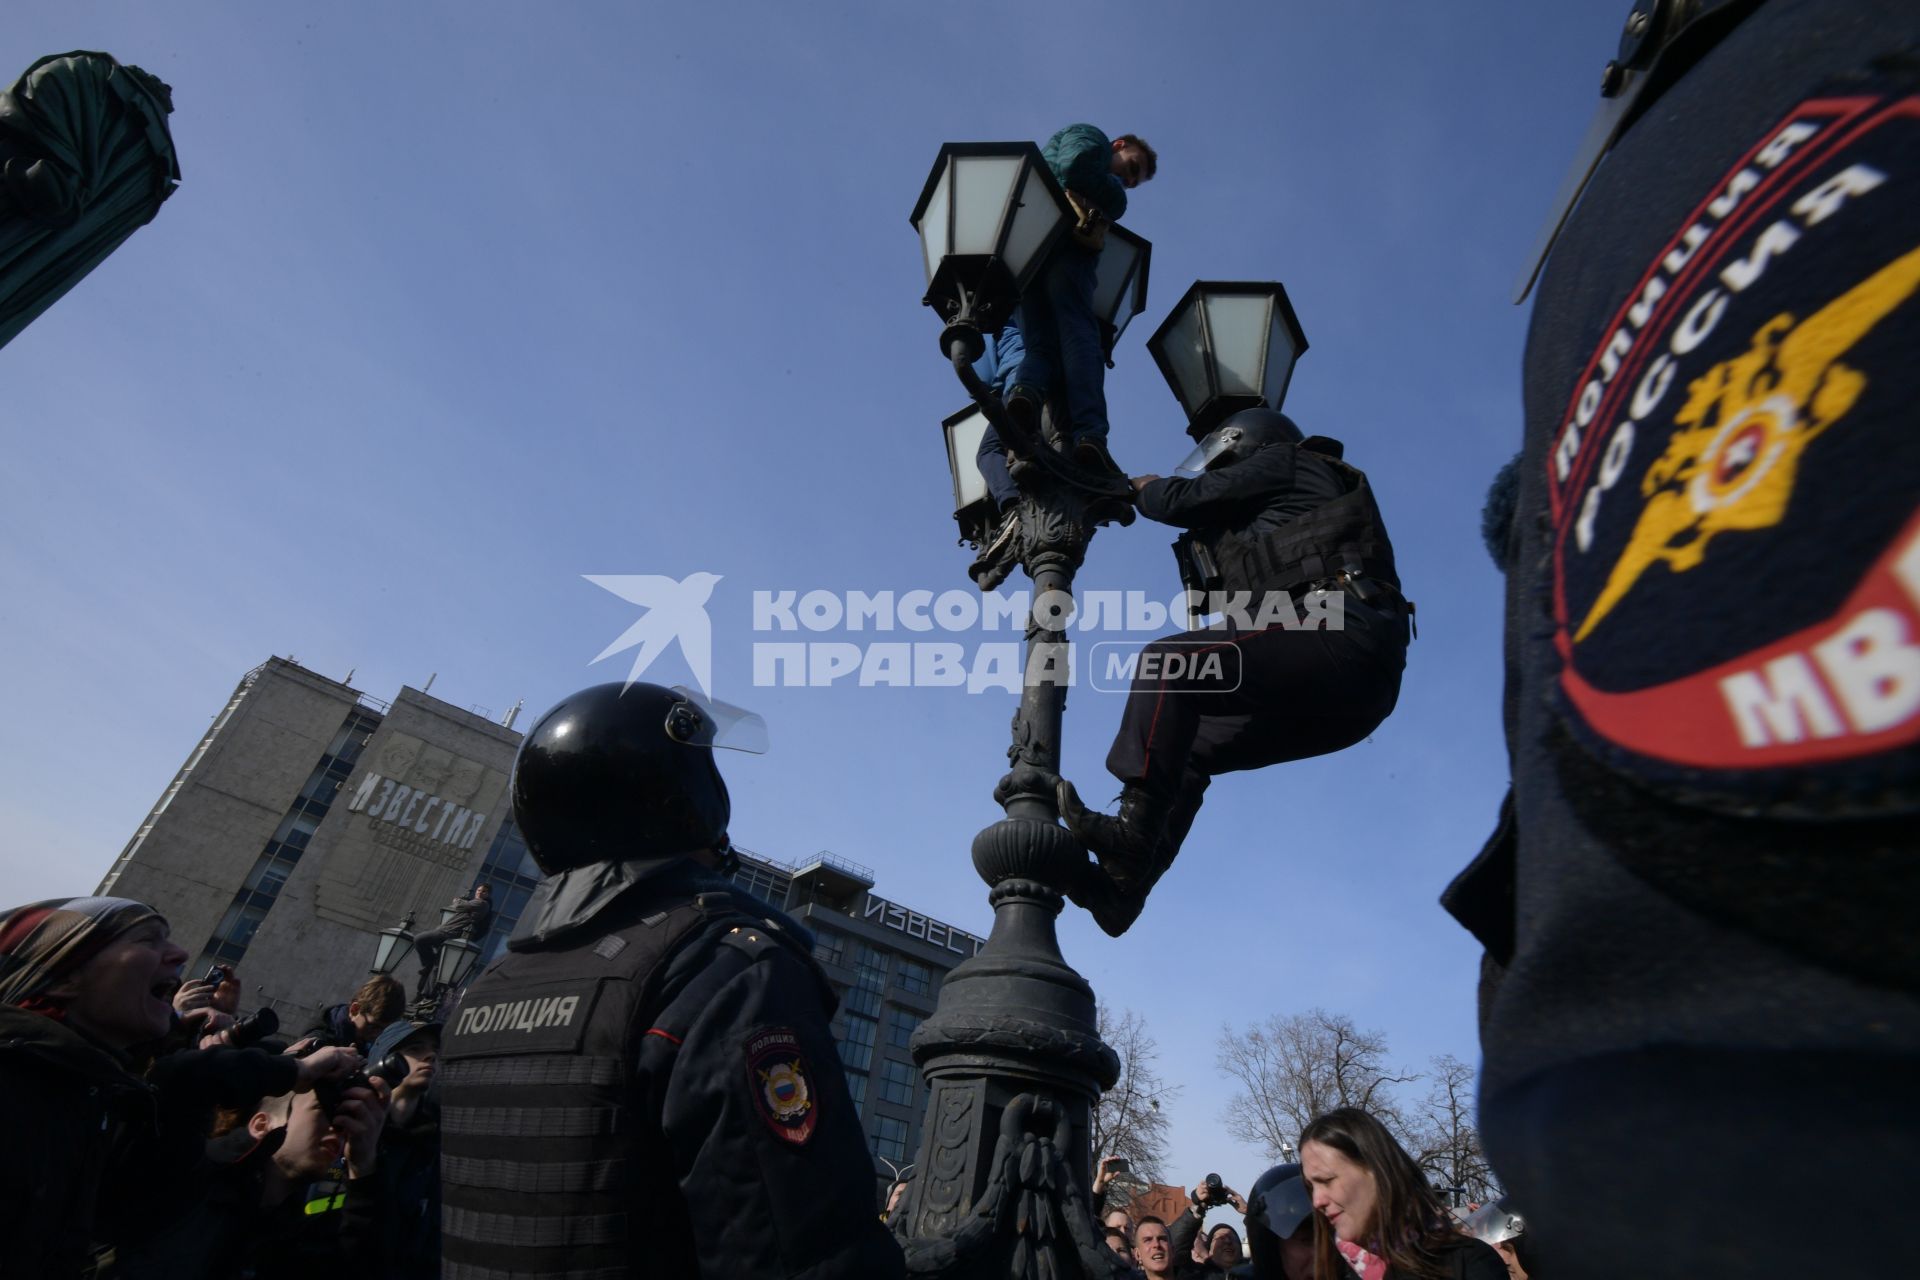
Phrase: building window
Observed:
(915, 978)
(829, 947)
(869, 981)
(768, 886)
(857, 1086)
(896, 1082)
(276, 862)
(509, 867)
(890, 1138)
(900, 1025)
(856, 1046)
(869, 967)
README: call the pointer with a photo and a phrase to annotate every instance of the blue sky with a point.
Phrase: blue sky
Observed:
(457, 303)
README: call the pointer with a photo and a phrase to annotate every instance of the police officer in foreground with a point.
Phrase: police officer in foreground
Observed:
(1280, 1227)
(1308, 660)
(1698, 908)
(645, 1084)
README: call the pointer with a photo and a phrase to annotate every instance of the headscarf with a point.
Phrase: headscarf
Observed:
(44, 942)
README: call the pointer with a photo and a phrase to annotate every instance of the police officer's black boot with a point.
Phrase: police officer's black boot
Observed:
(1131, 849)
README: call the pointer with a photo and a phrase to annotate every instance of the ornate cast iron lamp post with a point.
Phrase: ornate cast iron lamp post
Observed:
(1012, 1054)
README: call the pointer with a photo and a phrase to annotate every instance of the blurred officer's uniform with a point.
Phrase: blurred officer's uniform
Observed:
(645, 1083)
(1699, 907)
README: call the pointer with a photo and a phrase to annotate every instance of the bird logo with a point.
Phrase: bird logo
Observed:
(673, 609)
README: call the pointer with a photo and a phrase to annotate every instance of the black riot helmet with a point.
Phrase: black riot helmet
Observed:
(1279, 1202)
(624, 773)
(1239, 438)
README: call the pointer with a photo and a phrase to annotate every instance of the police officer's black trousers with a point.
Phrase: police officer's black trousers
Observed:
(1269, 696)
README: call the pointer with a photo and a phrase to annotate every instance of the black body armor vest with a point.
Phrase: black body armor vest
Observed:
(1345, 535)
(545, 1169)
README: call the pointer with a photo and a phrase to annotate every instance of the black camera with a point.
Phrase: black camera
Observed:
(217, 975)
(253, 1028)
(330, 1093)
(1217, 1192)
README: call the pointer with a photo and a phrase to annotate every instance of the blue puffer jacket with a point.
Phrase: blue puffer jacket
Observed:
(1081, 157)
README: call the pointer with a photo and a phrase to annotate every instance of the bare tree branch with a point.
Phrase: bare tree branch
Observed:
(1129, 1120)
(1291, 1069)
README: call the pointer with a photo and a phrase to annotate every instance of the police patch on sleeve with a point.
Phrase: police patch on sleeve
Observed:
(1734, 487)
(778, 1075)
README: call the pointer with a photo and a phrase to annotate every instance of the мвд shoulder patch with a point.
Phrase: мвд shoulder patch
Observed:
(1735, 485)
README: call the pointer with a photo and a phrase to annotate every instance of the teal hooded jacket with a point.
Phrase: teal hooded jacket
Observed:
(1081, 157)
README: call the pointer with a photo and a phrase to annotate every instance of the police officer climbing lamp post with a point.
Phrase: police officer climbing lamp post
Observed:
(1012, 1055)
(1227, 345)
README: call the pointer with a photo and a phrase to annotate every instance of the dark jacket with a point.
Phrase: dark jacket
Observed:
(69, 1111)
(1464, 1258)
(334, 1028)
(1181, 1233)
(469, 918)
(408, 1177)
(1263, 492)
(226, 1234)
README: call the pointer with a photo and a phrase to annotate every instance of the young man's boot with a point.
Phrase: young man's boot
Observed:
(998, 553)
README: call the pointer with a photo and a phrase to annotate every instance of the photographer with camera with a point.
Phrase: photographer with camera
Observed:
(1197, 1256)
(293, 1192)
(410, 1152)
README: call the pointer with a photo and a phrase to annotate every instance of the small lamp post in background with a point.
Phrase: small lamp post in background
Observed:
(395, 945)
(1228, 346)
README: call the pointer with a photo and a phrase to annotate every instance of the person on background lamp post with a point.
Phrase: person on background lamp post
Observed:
(645, 1082)
(1307, 662)
(469, 920)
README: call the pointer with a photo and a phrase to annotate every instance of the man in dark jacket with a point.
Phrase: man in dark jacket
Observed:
(465, 918)
(379, 1001)
(652, 1053)
(292, 1194)
(1290, 547)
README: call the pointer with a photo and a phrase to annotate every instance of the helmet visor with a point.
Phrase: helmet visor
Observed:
(1282, 1205)
(1212, 447)
(1494, 1223)
(701, 721)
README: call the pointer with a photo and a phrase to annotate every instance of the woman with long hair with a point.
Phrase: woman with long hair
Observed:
(1375, 1215)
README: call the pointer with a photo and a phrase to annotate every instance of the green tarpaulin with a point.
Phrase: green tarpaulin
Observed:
(85, 160)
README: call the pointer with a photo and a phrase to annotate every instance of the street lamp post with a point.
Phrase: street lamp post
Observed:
(395, 945)
(1012, 1054)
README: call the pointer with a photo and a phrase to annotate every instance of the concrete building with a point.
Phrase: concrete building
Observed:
(311, 816)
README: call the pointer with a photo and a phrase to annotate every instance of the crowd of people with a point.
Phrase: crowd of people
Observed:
(155, 1133)
(159, 1134)
(1356, 1207)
